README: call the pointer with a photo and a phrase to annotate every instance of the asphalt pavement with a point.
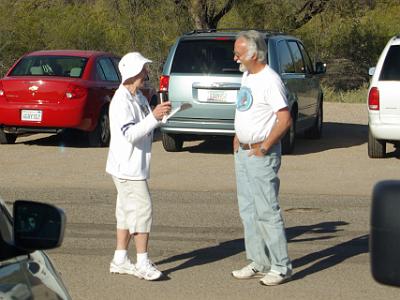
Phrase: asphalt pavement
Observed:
(197, 237)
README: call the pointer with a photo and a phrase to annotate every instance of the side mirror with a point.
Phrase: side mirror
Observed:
(385, 232)
(37, 225)
(320, 68)
(371, 71)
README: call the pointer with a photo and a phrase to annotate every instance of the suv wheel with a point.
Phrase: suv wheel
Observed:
(288, 140)
(171, 143)
(376, 148)
(100, 136)
(7, 138)
(315, 132)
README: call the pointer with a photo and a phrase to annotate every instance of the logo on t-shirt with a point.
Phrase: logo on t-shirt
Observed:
(244, 99)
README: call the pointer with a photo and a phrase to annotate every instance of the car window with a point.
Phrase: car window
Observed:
(205, 56)
(115, 61)
(391, 65)
(61, 66)
(297, 57)
(106, 70)
(285, 59)
(307, 59)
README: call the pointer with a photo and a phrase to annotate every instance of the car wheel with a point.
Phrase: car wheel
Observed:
(288, 140)
(376, 148)
(315, 132)
(100, 136)
(171, 143)
(7, 138)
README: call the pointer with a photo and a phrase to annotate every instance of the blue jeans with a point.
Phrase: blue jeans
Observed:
(257, 191)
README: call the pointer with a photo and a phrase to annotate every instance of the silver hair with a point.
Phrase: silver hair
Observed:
(255, 44)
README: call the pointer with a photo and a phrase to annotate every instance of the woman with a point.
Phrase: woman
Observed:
(132, 123)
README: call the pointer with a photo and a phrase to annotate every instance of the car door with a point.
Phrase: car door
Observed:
(303, 86)
(287, 71)
(107, 74)
(106, 82)
(312, 81)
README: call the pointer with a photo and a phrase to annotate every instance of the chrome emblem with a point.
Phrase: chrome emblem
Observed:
(33, 88)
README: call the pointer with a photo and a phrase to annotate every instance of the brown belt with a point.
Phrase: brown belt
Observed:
(250, 146)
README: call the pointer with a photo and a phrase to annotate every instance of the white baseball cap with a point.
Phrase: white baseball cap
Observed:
(131, 64)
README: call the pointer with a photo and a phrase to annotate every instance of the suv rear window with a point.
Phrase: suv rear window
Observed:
(63, 66)
(391, 65)
(205, 57)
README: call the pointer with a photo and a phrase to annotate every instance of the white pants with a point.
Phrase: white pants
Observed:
(133, 210)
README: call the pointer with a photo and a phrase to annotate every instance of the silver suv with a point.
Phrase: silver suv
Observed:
(383, 101)
(200, 70)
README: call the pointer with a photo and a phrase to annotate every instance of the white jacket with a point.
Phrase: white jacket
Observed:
(131, 124)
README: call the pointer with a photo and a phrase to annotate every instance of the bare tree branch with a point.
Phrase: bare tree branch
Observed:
(307, 12)
(213, 21)
(204, 12)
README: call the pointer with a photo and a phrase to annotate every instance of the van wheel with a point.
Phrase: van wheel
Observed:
(315, 132)
(376, 148)
(288, 140)
(100, 136)
(7, 138)
(171, 143)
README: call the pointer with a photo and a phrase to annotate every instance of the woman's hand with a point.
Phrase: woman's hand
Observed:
(162, 110)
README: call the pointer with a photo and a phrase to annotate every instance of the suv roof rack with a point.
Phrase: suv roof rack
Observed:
(210, 30)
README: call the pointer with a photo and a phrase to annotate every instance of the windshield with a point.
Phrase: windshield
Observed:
(62, 66)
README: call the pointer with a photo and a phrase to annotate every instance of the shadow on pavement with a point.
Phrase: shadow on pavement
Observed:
(204, 255)
(70, 139)
(330, 256)
(334, 136)
(217, 145)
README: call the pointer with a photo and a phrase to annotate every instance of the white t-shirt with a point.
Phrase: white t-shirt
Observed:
(260, 97)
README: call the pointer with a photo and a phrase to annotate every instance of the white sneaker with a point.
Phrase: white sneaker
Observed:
(148, 271)
(275, 278)
(247, 272)
(125, 268)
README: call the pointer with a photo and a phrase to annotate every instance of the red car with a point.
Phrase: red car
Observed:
(48, 91)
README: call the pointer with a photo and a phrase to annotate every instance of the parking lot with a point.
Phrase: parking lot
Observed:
(197, 235)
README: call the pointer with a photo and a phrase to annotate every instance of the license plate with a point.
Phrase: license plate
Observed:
(217, 96)
(31, 115)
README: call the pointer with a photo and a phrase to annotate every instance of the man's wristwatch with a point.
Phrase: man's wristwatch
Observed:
(263, 151)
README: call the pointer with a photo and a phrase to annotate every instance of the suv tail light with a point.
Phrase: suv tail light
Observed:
(164, 83)
(75, 92)
(373, 99)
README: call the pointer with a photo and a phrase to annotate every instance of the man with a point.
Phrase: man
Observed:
(262, 118)
(132, 124)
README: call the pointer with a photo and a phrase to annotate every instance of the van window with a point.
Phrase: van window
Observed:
(297, 57)
(205, 57)
(285, 59)
(307, 59)
(391, 65)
